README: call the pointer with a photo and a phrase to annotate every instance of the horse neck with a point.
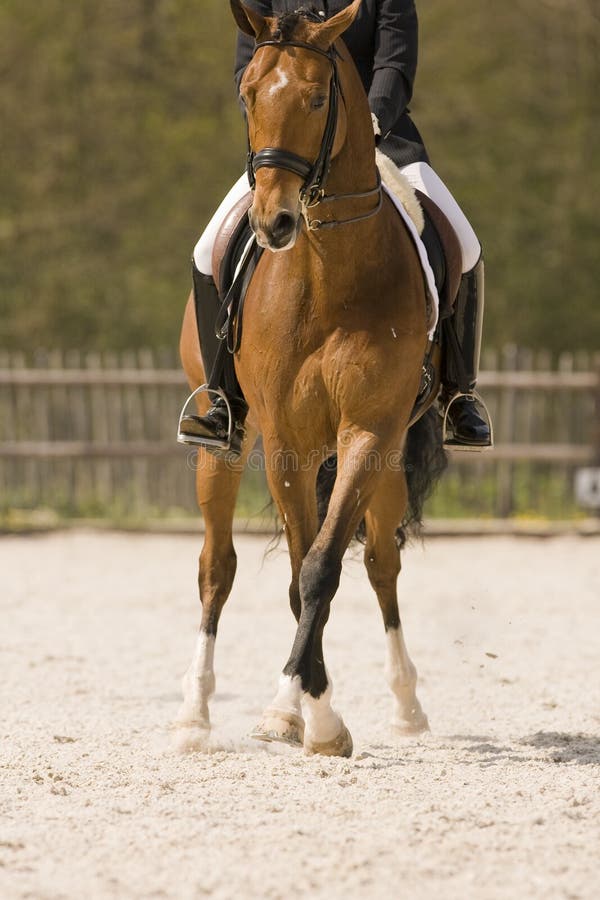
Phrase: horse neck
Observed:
(353, 169)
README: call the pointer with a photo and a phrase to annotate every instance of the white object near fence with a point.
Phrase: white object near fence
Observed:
(587, 487)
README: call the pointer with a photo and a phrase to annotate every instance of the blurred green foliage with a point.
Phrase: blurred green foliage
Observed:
(120, 133)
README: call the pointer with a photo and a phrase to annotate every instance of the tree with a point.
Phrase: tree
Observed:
(121, 132)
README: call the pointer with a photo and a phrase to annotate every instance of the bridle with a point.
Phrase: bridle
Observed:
(314, 174)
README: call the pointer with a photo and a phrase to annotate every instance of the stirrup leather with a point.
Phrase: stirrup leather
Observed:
(450, 443)
(223, 444)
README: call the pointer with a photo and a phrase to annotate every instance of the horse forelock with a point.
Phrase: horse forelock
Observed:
(287, 24)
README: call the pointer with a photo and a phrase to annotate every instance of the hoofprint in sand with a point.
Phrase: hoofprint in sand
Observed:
(501, 799)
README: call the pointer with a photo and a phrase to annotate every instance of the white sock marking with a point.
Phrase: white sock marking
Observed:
(323, 724)
(199, 681)
(287, 698)
(401, 676)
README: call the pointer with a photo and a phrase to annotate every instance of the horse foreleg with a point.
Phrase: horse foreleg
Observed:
(217, 485)
(382, 561)
(293, 489)
(325, 731)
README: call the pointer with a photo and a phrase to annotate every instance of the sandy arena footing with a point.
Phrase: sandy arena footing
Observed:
(501, 800)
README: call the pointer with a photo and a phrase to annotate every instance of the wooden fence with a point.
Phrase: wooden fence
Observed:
(94, 435)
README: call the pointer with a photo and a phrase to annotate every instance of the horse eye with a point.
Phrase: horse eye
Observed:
(247, 97)
(318, 102)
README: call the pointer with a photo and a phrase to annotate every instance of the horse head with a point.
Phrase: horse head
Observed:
(296, 124)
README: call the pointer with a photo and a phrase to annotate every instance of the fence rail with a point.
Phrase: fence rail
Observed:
(94, 378)
(572, 381)
(566, 453)
(96, 431)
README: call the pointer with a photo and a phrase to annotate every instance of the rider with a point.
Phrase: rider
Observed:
(383, 44)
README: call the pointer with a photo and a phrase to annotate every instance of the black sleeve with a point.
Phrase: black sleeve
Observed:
(243, 55)
(395, 61)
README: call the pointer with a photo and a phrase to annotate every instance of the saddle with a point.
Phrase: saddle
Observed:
(443, 251)
(232, 238)
(234, 245)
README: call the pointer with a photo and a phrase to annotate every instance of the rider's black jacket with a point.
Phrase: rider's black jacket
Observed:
(382, 41)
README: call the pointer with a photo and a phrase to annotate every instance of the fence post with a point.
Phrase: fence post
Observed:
(506, 430)
(595, 367)
(596, 428)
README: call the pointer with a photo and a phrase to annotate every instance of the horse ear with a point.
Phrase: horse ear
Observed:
(248, 21)
(331, 30)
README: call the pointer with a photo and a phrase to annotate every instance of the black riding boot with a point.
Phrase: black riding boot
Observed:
(468, 423)
(215, 430)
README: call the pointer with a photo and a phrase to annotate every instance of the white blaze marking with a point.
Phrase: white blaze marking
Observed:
(282, 81)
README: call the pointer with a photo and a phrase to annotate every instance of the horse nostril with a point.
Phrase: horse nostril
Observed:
(283, 226)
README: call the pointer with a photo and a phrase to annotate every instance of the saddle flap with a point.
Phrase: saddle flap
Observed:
(227, 239)
(452, 254)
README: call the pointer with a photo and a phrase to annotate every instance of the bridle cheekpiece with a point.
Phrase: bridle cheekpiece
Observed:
(314, 174)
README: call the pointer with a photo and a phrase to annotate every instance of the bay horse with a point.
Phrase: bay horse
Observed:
(330, 362)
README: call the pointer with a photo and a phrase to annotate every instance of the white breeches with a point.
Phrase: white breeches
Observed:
(423, 178)
(419, 174)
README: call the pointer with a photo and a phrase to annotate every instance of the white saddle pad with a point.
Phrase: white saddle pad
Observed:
(433, 306)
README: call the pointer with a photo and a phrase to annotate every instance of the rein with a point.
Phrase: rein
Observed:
(316, 224)
(312, 192)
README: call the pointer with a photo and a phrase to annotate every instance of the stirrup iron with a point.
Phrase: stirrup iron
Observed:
(223, 444)
(449, 441)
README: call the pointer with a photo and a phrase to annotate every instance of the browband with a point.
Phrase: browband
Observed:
(330, 54)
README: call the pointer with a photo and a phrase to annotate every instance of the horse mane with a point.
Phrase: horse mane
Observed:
(288, 22)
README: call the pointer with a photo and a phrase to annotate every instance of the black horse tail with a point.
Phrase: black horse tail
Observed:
(424, 462)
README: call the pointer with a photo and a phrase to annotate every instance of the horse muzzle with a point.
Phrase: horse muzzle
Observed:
(277, 233)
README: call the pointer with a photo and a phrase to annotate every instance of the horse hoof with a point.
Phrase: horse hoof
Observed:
(339, 746)
(191, 737)
(285, 727)
(409, 727)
